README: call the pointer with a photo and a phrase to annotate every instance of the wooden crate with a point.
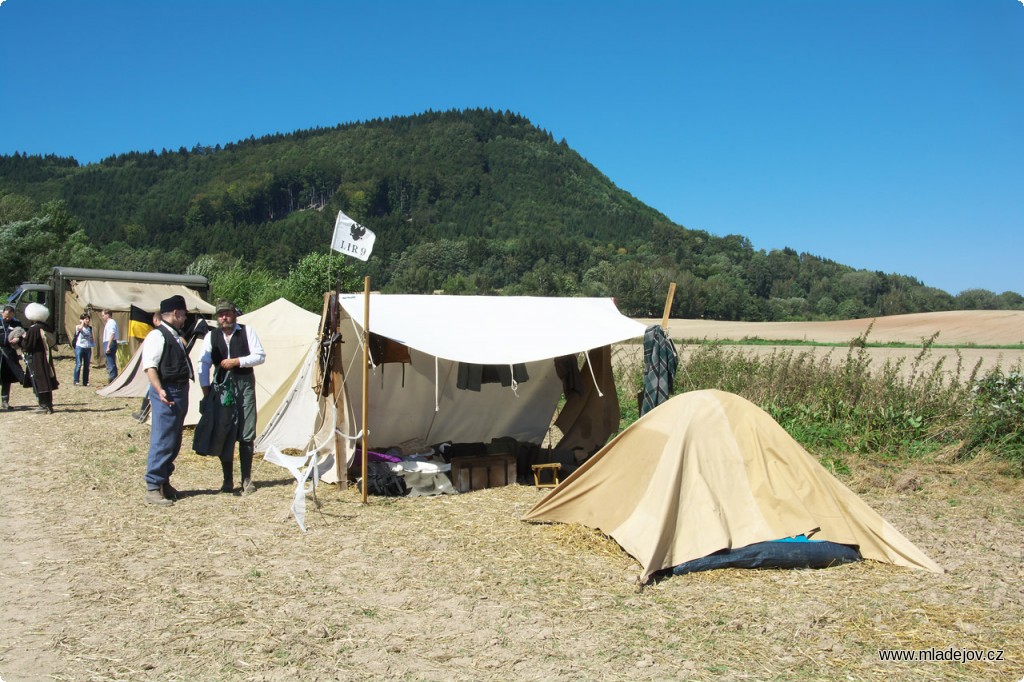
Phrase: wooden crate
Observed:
(485, 471)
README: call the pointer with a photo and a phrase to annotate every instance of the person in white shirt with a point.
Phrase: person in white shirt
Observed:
(110, 334)
(232, 350)
(169, 370)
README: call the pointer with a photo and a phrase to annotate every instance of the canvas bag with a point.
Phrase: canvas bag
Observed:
(217, 430)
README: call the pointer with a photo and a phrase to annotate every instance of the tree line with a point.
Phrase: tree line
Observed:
(464, 202)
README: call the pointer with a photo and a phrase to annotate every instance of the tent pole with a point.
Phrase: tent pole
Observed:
(668, 305)
(326, 334)
(366, 377)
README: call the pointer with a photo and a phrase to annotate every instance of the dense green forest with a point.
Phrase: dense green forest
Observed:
(465, 202)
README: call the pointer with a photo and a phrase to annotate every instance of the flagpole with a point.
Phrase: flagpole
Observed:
(366, 378)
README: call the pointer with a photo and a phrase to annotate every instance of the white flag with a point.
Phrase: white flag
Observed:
(351, 238)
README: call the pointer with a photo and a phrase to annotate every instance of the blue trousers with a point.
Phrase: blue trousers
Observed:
(111, 365)
(165, 435)
(83, 356)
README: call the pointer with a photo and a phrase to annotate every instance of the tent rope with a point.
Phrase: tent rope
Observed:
(591, 366)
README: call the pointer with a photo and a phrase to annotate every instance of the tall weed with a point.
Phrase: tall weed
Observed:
(836, 406)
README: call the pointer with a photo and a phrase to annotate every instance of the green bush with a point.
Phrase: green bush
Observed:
(997, 415)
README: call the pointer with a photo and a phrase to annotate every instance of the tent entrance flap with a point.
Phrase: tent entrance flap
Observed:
(430, 407)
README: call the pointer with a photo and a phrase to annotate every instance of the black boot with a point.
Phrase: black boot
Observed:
(227, 466)
(245, 449)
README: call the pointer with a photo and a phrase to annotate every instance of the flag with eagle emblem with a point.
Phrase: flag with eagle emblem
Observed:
(351, 238)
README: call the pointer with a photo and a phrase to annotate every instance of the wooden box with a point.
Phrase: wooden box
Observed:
(485, 471)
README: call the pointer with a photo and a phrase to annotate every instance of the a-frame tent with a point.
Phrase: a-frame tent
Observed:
(287, 333)
(710, 471)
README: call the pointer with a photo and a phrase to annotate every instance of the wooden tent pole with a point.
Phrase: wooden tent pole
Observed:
(668, 305)
(366, 379)
(336, 379)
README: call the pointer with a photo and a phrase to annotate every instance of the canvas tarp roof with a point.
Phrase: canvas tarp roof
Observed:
(420, 400)
(709, 470)
(492, 330)
(120, 296)
(286, 332)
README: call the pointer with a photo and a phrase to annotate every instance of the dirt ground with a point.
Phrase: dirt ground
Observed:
(99, 586)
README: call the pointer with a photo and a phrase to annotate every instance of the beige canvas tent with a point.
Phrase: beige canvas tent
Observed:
(119, 297)
(287, 333)
(707, 471)
(419, 400)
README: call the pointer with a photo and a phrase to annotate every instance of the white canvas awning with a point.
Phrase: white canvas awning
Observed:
(495, 330)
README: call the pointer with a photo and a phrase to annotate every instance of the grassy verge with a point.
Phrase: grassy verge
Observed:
(835, 407)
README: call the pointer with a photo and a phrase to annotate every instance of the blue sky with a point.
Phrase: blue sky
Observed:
(886, 135)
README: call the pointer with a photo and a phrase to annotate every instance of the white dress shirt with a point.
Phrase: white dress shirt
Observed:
(153, 346)
(255, 357)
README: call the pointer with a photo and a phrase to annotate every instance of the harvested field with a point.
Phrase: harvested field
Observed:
(968, 329)
(98, 586)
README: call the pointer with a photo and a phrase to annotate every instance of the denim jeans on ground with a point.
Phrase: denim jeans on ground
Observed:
(165, 434)
(83, 356)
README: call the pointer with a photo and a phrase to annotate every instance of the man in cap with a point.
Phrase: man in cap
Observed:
(166, 363)
(232, 350)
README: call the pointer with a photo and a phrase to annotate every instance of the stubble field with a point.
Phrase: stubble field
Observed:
(99, 586)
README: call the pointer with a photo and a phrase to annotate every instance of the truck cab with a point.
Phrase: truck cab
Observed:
(30, 292)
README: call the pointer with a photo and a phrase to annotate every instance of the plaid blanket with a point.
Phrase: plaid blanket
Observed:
(660, 362)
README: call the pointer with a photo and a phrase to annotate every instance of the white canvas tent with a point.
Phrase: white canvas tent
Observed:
(707, 471)
(420, 400)
(287, 333)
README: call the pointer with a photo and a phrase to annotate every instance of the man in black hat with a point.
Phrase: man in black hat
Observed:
(232, 350)
(166, 363)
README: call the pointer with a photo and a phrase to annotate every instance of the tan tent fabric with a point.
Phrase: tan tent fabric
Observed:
(586, 421)
(286, 332)
(709, 470)
(119, 297)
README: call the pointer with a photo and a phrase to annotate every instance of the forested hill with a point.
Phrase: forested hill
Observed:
(463, 201)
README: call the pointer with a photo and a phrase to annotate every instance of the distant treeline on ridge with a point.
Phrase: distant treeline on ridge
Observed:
(464, 202)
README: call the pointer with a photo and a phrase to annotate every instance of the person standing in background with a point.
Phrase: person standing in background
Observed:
(39, 357)
(84, 343)
(110, 334)
(10, 366)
